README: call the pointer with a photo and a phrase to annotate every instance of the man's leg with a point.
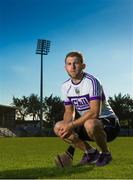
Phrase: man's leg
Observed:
(95, 130)
(78, 143)
(90, 153)
(73, 138)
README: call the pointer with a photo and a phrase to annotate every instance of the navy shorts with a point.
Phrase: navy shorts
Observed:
(111, 128)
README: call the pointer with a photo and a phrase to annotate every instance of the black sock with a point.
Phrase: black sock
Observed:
(70, 151)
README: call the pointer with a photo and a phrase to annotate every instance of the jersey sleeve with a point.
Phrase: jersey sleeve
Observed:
(64, 96)
(95, 90)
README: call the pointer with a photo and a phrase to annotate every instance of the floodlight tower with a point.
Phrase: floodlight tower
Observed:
(43, 48)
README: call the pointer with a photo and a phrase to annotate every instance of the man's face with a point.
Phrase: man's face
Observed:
(74, 67)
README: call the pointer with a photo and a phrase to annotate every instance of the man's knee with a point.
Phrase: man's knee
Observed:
(57, 127)
(92, 126)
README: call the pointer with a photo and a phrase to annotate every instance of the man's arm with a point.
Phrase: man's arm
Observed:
(69, 113)
(93, 113)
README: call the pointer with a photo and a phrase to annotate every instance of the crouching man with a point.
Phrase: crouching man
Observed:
(97, 121)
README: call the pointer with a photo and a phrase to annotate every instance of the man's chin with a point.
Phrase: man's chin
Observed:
(73, 76)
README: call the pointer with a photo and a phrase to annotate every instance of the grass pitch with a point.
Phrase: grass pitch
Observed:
(34, 158)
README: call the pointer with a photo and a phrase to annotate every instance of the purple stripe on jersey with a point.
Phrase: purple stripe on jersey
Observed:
(67, 103)
(83, 109)
(95, 98)
(86, 95)
(66, 80)
(95, 83)
(92, 80)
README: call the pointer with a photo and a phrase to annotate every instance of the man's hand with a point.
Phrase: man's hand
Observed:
(66, 129)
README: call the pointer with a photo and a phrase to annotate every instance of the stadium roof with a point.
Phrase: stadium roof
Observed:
(6, 108)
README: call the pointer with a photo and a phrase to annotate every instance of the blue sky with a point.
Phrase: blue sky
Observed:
(101, 29)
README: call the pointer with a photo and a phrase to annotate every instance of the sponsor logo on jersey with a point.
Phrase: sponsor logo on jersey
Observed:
(80, 103)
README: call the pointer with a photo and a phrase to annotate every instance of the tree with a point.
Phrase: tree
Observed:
(22, 106)
(53, 109)
(34, 106)
(123, 107)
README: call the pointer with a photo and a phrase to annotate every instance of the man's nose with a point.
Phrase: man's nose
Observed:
(73, 66)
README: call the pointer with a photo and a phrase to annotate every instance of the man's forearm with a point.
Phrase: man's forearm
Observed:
(92, 113)
(68, 116)
(82, 119)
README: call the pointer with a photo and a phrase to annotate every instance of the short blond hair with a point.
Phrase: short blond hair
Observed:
(75, 54)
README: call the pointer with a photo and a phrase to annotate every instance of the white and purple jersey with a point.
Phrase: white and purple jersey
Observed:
(79, 95)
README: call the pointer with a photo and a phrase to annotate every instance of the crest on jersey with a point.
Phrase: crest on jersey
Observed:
(77, 90)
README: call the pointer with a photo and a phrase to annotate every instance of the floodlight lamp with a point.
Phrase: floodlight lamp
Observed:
(43, 47)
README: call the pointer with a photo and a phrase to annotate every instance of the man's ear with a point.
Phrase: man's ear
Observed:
(83, 66)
